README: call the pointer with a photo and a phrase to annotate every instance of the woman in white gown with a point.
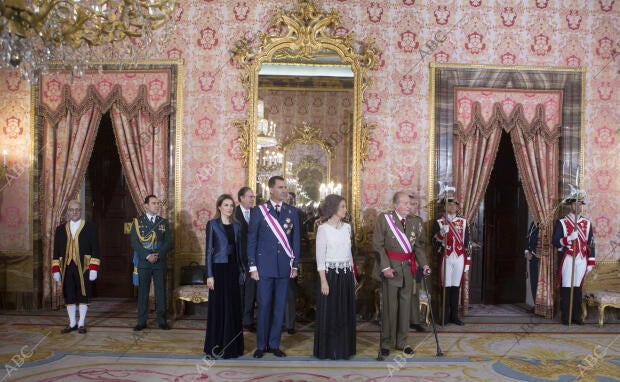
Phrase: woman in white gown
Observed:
(334, 335)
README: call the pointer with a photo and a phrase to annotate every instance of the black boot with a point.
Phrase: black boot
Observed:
(454, 306)
(577, 311)
(564, 304)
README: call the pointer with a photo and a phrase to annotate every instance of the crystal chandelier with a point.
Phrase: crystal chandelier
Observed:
(34, 33)
(265, 129)
(270, 160)
(329, 188)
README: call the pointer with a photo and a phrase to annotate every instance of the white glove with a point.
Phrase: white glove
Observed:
(572, 236)
(92, 276)
(56, 276)
(445, 229)
(466, 268)
(589, 268)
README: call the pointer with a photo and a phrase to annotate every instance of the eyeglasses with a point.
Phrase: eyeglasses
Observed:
(74, 209)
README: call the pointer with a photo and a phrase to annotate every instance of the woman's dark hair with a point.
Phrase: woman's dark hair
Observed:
(220, 201)
(330, 205)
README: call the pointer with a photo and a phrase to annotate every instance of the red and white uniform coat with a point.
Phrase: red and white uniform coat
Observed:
(580, 250)
(455, 258)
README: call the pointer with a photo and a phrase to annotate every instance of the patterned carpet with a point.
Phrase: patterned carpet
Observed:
(513, 346)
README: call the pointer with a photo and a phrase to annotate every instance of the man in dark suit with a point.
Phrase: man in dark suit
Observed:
(151, 239)
(76, 251)
(530, 254)
(290, 312)
(273, 256)
(246, 198)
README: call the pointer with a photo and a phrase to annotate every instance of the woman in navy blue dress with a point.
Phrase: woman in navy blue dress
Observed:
(224, 337)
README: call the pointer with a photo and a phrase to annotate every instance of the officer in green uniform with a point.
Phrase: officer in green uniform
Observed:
(151, 240)
(398, 239)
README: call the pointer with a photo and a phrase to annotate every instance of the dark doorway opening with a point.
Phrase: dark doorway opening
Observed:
(505, 225)
(109, 200)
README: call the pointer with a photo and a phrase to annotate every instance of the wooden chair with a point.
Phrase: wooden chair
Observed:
(601, 288)
(190, 293)
(424, 304)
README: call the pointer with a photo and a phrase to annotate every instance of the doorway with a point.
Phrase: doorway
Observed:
(505, 223)
(107, 194)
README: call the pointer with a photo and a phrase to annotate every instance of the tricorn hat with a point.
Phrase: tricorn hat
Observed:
(450, 199)
(446, 194)
(576, 196)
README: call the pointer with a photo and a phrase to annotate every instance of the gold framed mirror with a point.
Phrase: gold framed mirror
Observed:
(305, 57)
(307, 158)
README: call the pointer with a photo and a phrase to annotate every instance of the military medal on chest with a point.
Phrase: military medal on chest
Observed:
(288, 226)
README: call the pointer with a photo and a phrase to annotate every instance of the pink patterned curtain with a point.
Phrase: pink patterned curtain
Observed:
(481, 115)
(71, 111)
(143, 149)
(536, 149)
(67, 149)
(475, 149)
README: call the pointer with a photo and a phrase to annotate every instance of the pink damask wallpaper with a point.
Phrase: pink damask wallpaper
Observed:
(15, 138)
(410, 34)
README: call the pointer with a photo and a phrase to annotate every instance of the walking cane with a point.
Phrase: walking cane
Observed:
(443, 287)
(430, 307)
(378, 260)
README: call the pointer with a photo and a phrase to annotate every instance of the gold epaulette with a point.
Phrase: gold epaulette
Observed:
(149, 239)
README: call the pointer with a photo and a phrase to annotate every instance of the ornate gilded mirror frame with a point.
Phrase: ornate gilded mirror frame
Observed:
(301, 34)
(306, 135)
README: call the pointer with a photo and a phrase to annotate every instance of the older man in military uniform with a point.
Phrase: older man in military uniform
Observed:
(399, 241)
(151, 240)
(76, 251)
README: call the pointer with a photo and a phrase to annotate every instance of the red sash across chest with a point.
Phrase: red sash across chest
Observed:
(581, 243)
(456, 233)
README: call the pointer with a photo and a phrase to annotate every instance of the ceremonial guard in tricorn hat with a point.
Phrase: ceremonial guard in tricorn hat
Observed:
(574, 238)
(451, 237)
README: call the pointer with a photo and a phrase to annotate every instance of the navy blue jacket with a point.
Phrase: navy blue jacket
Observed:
(532, 238)
(264, 249)
(217, 247)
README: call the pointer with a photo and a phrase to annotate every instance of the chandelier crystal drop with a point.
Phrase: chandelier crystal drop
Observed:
(265, 129)
(35, 34)
(329, 188)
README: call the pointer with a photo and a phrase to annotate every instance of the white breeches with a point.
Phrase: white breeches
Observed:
(453, 270)
(581, 264)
